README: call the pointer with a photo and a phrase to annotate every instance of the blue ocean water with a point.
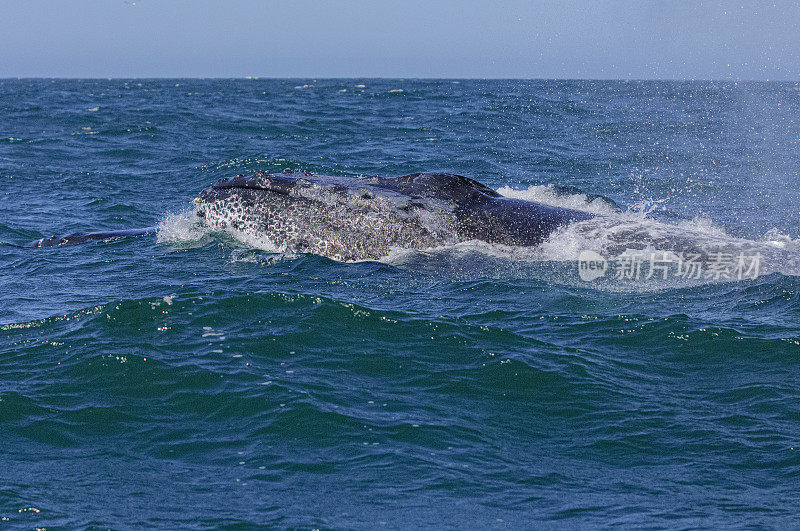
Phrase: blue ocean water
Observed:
(196, 380)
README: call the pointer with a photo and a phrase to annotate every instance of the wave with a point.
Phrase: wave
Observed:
(181, 343)
(228, 355)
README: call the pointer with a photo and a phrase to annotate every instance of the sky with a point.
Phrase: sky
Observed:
(401, 38)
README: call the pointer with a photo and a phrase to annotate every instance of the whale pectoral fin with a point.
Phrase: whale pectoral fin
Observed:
(84, 237)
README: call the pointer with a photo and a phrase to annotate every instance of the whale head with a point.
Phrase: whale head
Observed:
(345, 218)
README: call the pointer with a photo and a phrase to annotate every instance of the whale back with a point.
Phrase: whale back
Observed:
(444, 186)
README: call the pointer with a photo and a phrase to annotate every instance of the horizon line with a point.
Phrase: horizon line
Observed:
(396, 78)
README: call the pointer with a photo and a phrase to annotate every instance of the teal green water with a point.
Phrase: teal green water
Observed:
(195, 380)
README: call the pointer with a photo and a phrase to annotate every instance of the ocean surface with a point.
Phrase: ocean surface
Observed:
(196, 380)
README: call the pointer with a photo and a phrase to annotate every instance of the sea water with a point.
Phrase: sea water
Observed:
(197, 379)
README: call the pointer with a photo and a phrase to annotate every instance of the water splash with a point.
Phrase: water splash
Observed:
(564, 197)
(182, 228)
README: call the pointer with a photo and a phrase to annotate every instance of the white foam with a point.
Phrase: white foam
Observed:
(625, 233)
(400, 256)
(547, 195)
(181, 227)
(257, 242)
(256, 256)
(775, 238)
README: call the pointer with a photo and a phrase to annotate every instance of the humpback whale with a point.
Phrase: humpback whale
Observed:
(364, 218)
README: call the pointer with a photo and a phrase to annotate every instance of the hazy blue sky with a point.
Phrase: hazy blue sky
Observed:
(403, 38)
